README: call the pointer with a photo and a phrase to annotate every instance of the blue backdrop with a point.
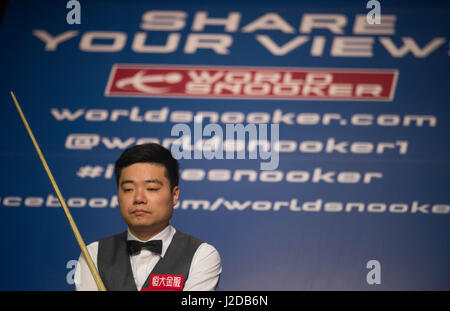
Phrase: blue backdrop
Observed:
(308, 225)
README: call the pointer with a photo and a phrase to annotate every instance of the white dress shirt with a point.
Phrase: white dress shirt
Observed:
(203, 274)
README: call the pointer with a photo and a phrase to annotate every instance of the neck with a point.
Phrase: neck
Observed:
(145, 233)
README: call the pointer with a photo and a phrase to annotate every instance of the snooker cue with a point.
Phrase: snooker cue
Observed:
(77, 234)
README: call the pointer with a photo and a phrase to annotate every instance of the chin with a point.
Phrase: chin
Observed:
(142, 224)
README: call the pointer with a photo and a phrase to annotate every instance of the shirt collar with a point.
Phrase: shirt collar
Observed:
(165, 236)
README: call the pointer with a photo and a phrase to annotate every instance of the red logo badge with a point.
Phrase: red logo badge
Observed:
(165, 282)
(252, 82)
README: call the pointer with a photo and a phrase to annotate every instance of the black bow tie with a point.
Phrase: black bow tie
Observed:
(134, 247)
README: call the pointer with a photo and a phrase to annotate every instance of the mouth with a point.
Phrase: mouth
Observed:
(140, 212)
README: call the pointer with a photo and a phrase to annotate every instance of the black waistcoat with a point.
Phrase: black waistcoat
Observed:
(114, 265)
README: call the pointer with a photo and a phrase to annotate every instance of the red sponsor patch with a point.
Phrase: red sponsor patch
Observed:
(250, 82)
(165, 282)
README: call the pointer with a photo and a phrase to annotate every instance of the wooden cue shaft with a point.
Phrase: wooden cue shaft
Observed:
(77, 234)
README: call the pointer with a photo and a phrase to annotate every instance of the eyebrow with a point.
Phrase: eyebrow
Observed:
(129, 181)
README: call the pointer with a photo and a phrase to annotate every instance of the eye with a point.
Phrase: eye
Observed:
(127, 190)
(152, 189)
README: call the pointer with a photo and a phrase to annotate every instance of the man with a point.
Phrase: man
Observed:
(147, 184)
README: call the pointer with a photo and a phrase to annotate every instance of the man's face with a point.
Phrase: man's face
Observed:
(145, 199)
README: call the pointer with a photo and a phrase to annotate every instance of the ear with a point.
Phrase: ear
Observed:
(175, 194)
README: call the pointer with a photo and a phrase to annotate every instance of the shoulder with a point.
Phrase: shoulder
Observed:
(205, 269)
(207, 252)
(94, 247)
(187, 238)
(93, 252)
(181, 235)
(111, 242)
(203, 248)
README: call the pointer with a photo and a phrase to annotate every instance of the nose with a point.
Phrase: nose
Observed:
(139, 197)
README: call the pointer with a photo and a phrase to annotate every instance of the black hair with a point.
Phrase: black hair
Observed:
(149, 153)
